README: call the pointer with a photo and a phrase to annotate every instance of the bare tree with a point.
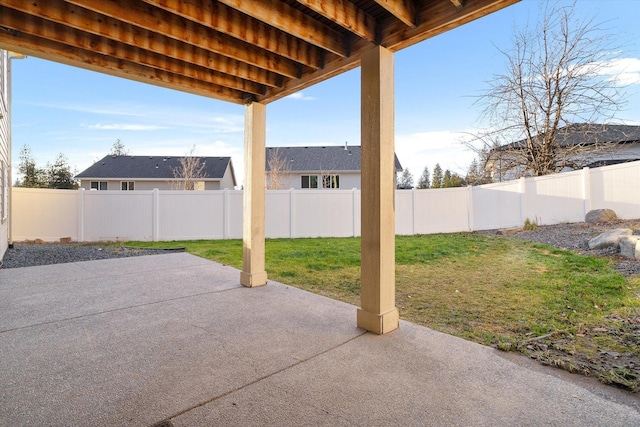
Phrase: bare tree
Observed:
(557, 77)
(278, 170)
(190, 172)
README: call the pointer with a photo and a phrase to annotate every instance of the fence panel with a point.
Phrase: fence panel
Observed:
(44, 214)
(118, 215)
(441, 210)
(617, 187)
(323, 213)
(496, 206)
(176, 215)
(278, 213)
(191, 215)
(555, 199)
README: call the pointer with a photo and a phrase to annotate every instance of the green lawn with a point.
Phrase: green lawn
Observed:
(555, 305)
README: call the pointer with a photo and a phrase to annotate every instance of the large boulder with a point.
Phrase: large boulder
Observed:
(598, 216)
(630, 247)
(609, 239)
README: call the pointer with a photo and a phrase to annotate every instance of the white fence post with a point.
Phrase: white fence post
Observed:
(225, 214)
(155, 215)
(470, 206)
(413, 211)
(586, 188)
(80, 214)
(292, 212)
(523, 200)
(353, 211)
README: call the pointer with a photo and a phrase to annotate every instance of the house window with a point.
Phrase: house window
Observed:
(99, 185)
(330, 181)
(309, 181)
(127, 185)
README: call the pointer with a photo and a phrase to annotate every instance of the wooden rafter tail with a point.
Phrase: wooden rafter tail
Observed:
(459, 4)
(345, 14)
(404, 10)
(229, 21)
(292, 21)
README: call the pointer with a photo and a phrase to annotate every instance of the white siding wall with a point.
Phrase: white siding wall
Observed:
(5, 161)
(177, 215)
(348, 180)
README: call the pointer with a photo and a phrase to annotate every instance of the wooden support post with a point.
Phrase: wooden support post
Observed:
(253, 225)
(378, 313)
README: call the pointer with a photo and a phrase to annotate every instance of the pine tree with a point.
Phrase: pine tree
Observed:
(406, 180)
(424, 181)
(32, 176)
(437, 177)
(118, 149)
(60, 175)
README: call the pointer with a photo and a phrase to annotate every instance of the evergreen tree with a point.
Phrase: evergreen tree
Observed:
(437, 177)
(452, 179)
(59, 174)
(406, 180)
(32, 176)
(118, 149)
(424, 181)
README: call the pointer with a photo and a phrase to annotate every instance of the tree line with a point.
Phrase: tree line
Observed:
(57, 175)
(476, 175)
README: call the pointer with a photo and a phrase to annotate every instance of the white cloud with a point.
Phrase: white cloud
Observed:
(124, 126)
(300, 96)
(623, 71)
(417, 150)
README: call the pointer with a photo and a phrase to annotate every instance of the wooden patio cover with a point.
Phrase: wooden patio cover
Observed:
(254, 52)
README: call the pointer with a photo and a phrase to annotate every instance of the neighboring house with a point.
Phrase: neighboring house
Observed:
(585, 145)
(315, 167)
(4, 152)
(149, 172)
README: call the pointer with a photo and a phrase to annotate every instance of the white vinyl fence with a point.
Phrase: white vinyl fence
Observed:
(187, 215)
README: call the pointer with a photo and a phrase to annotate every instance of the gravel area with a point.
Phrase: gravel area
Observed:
(31, 254)
(576, 237)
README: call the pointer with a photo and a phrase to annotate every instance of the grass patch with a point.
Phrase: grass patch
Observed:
(560, 307)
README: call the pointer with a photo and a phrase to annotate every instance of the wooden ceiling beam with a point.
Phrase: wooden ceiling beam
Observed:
(94, 23)
(345, 14)
(233, 23)
(404, 10)
(159, 21)
(435, 18)
(292, 21)
(54, 51)
(58, 33)
(459, 4)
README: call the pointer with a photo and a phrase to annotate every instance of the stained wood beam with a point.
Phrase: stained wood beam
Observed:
(65, 54)
(56, 32)
(345, 14)
(404, 10)
(160, 21)
(458, 3)
(435, 18)
(335, 65)
(233, 23)
(95, 23)
(292, 21)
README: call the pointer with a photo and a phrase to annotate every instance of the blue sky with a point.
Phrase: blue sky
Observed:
(61, 109)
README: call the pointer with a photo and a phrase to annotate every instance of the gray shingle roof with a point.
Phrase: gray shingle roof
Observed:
(329, 159)
(149, 167)
(584, 133)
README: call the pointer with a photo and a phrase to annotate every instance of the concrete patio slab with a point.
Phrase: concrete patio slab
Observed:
(136, 341)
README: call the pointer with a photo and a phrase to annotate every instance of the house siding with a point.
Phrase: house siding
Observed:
(115, 185)
(5, 161)
(348, 180)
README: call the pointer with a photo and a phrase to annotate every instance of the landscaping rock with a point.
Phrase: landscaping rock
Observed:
(65, 240)
(630, 247)
(609, 239)
(598, 216)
